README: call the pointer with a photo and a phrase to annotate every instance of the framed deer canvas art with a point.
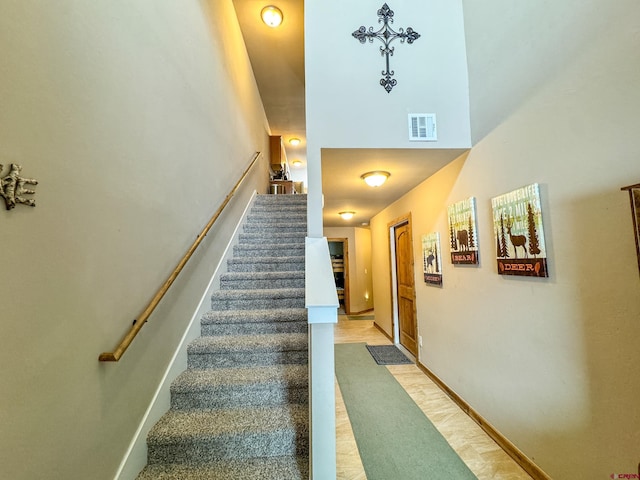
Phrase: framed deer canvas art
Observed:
(431, 261)
(519, 236)
(463, 236)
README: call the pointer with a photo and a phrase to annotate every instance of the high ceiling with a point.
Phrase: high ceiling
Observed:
(277, 58)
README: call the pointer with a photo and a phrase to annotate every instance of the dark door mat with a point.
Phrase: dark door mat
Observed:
(388, 355)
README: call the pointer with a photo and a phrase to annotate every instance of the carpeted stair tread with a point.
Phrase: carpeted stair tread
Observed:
(256, 298)
(269, 217)
(266, 264)
(253, 343)
(203, 436)
(270, 468)
(257, 316)
(263, 293)
(285, 375)
(281, 199)
(177, 425)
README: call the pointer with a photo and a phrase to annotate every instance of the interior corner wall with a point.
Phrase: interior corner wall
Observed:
(551, 363)
(360, 283)
(136, 118)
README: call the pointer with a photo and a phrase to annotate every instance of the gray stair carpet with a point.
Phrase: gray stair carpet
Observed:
(241, 409)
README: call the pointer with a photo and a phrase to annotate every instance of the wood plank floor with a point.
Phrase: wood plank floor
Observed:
(481, 454)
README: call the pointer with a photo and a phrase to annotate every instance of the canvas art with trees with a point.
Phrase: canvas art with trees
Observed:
(463, 237)
(518, 233)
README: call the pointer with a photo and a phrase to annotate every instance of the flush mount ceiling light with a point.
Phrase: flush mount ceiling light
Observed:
(271, 15)
(296, 163)
(375, 179)
(347, 215)
(294, 141)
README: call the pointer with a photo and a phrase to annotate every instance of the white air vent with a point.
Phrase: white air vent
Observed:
(422, 127)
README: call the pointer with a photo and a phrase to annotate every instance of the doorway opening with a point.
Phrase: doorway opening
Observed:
(339, 251)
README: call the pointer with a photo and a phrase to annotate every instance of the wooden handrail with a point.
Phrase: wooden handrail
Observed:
(142, 318)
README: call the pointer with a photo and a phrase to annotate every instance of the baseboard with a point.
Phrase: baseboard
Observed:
(383, 332)
(136, 456)
(514, 452)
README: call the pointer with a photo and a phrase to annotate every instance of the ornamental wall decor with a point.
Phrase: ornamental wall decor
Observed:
(517, 225)
(12, 187)
(431, 259)
(634, 197)
(463, 232)
(386, 35)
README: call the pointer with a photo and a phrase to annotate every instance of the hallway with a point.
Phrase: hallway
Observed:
(481, 454)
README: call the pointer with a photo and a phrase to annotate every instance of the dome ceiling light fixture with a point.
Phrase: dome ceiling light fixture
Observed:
(376, 178)
(347, 215)
(271, 16)
(294, 141)
(296, 163)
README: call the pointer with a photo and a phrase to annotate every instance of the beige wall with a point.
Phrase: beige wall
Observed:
(360, 283)
(136, 118)
(551, 363)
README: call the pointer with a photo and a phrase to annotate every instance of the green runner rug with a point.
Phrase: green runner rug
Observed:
(395, 439)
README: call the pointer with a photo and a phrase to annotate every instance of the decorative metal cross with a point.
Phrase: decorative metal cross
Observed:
(386, 35)
(12, 187)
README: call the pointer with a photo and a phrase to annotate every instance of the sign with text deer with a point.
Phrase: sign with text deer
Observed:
(518, 233)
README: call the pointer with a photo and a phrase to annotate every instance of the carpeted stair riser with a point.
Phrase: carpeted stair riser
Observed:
(269, 218)
(254, 328)
(245, 359)
(281, 210)
(248, 350)
(280, 468)
(276, 237)
(204, 436)
(256, 299)
(261, 280)
(266, 264)
(238, 387)
(269, 250)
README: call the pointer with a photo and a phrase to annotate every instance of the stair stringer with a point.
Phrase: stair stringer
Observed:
(135, 458)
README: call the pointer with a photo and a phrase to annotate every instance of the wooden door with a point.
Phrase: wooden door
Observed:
(406, 289)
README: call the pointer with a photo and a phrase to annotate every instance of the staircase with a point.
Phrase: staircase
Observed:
(240, 410)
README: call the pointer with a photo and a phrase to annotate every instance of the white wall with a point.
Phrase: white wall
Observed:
(551, 363)
(345, 105)
(136, 119)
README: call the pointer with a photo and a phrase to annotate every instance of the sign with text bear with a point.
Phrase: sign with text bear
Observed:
(519, 237)
(463, 237)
